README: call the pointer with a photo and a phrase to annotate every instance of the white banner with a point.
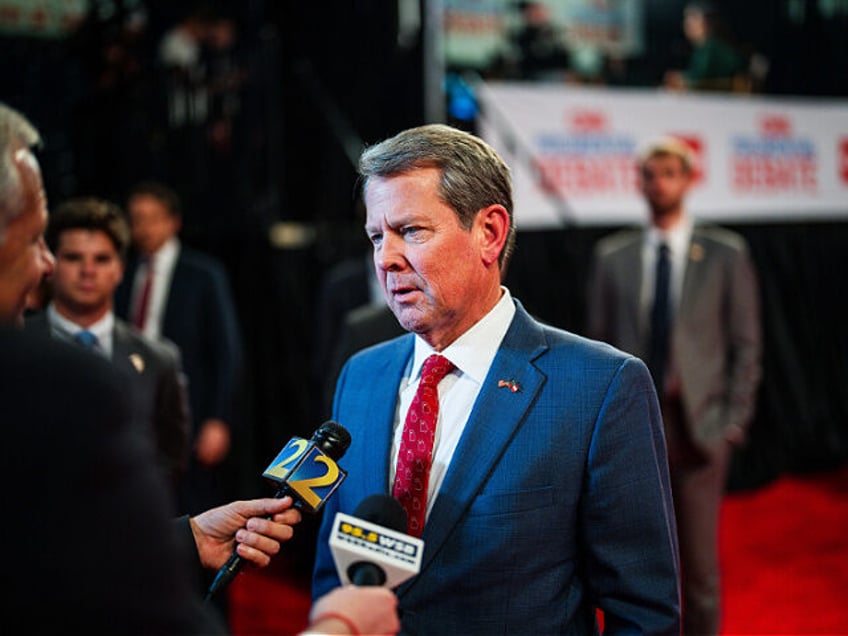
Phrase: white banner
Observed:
(41, 18)
(572, 150)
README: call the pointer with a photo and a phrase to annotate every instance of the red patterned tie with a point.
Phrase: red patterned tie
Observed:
(416, 446)
(143, 304)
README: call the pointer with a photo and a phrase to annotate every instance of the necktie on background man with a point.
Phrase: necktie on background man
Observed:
(416, 448)
(85, 338)
(143, 303)
(660, 319)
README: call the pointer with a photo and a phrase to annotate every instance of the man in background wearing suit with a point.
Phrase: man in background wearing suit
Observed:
(89, 238)
(80, 483)
(545, 496)
(78, 477)
(189, 302)
(705, 358)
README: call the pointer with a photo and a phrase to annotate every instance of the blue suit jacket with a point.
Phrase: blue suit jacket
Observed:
(557, 500)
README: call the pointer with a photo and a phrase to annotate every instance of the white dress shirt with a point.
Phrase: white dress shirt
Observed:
(61, 327)
(472, 354)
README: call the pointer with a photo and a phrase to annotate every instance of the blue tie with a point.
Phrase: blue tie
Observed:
(660, 319)
(86, 338)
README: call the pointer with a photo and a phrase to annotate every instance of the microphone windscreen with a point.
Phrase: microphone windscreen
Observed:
(332, 439)
(383, 510)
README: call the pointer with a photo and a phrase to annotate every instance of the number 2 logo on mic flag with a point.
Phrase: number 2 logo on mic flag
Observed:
(286, 460)
(315, 478)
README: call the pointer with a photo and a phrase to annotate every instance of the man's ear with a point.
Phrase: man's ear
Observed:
(493, 222)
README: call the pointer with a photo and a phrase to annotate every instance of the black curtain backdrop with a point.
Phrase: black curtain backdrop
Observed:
(801, 423)
(306, 63)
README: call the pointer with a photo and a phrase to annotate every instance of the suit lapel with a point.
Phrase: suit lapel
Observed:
(124, 356)
(378, 413)
(124, 293)
(179, 287)
(696, 258)
(631, 275)
(497, 414)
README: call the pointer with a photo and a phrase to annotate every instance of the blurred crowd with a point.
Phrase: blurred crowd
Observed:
(138, 89)
(688, 45)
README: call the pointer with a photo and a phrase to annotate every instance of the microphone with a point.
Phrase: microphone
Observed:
(307, 471)
(371, 547)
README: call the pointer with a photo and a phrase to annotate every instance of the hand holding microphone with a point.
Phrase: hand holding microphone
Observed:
(258, 527)
(304, 470)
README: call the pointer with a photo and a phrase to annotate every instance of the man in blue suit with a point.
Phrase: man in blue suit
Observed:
(548, 494)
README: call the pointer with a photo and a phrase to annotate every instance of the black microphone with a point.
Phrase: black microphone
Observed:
(307, 471)
(384, 511)
(371, 547)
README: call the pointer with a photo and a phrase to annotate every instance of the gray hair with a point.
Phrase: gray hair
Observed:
(473, 175)
(16, 132)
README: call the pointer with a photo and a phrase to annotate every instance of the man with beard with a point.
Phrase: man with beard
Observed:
(684, 297)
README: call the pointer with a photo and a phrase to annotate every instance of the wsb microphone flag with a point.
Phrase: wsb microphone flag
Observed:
(368, 552)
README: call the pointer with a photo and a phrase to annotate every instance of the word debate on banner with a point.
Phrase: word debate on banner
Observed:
(573, 152)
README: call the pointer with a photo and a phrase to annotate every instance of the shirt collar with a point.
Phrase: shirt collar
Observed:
(68, 329)
(472, 353)
(166, 255)
(677, 238)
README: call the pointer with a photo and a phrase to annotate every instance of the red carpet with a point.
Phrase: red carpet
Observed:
(269, 601)
(784, 551)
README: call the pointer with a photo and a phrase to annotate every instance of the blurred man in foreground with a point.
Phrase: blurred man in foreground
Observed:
(93, 547)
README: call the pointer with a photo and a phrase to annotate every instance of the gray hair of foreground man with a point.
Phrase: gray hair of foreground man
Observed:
(16, 133)
(473, 175)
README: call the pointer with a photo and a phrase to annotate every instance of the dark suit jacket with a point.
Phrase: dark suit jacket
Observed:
(716, 335)
(92, 548)
(157, 391)
(361, 327)
(200, 318)
(344, 288)
(557, 499)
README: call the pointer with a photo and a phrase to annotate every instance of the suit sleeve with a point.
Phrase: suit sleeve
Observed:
(597, 312)
(226, 342)
(627, 515)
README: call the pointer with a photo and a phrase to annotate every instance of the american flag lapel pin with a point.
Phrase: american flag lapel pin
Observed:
(512, 385)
